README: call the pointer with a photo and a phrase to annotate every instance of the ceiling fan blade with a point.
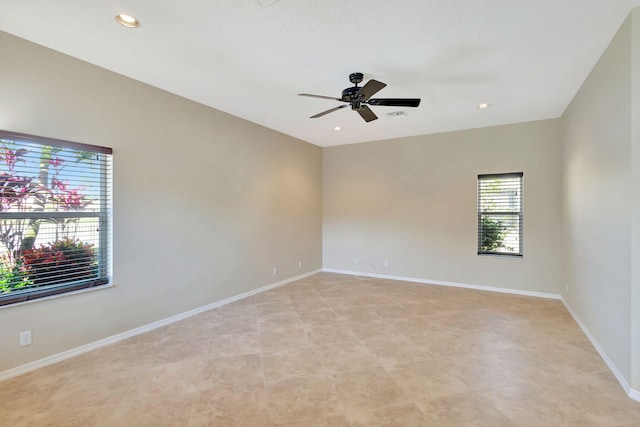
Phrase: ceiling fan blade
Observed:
(366, 113)
(395, 102)
(320, 96)
(328, 111)
(371, 88)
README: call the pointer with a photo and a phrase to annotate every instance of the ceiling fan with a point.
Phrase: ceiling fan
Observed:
(359, 98)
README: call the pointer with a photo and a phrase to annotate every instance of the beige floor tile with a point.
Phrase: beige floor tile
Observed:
(231, 374)
(153, 412)
(358, 314)
(376, 300)
(369, 389)
(427, 382)
(390, 312)
(304, 295)
(239, 325)
(346, 302)
(412, 325)
(466, 410)
(179, 350)
(537, 332)
(323, 317)
(527, 405)
(405, 415)
(234, 345)
(530, 366)
(336, 350)
(300, 399)
(597, 397)
(247, 408)
(479, 372)
(320, 335)
(275, 308)
(302, 306)
(115, 356)
(477, 319)
(452, 342)
(277, 321)
(342, 359)
(334, 421)
(395, 350)
(293, 363)
(96, 416)
(377, 329)
(182, 377)
(34, 387)
(277, 340)
(571, 359)
(87, 392)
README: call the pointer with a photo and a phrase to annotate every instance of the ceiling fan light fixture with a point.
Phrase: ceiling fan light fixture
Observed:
(127, 21)
(483, 106)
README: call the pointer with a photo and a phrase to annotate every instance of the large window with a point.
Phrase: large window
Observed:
(55, 213)
(500, 214)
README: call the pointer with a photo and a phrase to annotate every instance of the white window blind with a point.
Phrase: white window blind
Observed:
(500, 214)
(55, 213)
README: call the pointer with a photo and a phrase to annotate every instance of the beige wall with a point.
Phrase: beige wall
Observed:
(635, 200)
(205, 204)
(597, 204)
(412, 202)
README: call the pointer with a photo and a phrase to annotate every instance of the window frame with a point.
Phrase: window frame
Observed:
(519, 214)
(103, 216)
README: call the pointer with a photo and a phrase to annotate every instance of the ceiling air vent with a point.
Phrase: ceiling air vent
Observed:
(266, 2)
(396, 114)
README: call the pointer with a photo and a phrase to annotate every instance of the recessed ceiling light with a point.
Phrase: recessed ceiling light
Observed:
(127, 21)
(483, 106)
(337, 128)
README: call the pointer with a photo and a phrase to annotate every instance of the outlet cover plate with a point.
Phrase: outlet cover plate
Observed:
(25, 338)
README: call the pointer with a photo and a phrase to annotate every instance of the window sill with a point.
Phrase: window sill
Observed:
(60, 295)
(505, 256)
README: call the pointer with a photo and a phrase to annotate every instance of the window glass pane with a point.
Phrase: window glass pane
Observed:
(54, 216)
(500, 214)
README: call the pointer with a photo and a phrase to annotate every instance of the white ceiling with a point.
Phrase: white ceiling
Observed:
(525, 57)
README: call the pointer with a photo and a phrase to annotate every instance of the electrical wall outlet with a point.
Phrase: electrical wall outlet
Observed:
(567, 288)
(386, 263)
(25, 338)
(299, 264)
(355, 260)
(275, 270)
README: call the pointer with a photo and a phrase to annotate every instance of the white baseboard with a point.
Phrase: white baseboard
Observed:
(634, 394)
(453, 284)
(41, 363)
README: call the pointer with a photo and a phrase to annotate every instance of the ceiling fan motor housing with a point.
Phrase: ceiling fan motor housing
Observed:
(352, 95)
(356, 78)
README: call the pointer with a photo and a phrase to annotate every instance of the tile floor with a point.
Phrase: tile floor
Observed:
(335, 350)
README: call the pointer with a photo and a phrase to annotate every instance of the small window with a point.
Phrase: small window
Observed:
(500, 214)
(55, 216)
